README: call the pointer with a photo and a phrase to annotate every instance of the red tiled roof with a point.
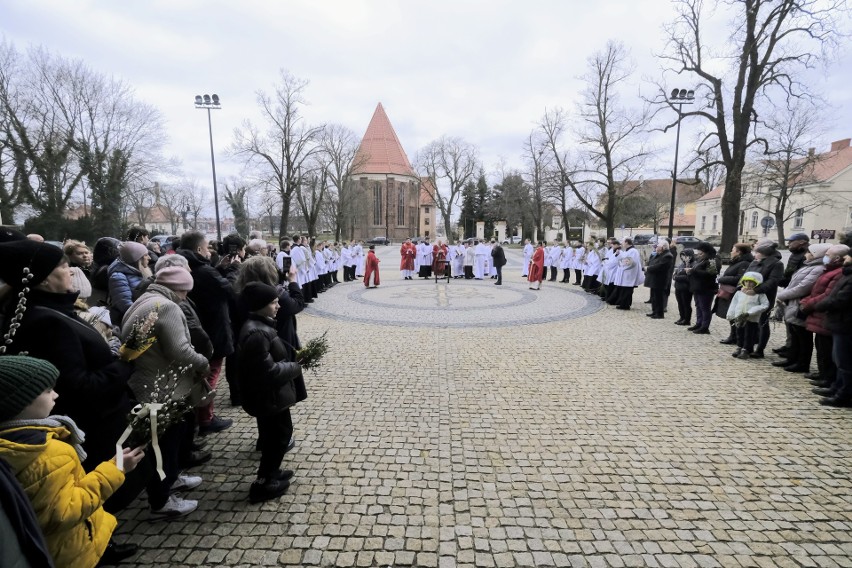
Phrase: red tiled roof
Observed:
(427, 191)
(380, 151)
(717, 192)
(828, 165)
(679, 221)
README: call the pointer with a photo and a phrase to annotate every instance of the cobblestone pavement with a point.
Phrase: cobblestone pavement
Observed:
(599, 438)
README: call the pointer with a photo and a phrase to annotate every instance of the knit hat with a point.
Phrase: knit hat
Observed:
(174, 278)
(819, 249)
(706, 248)
(8, 234)
(22, 379)
(766, 247)
(755, 277)
(798, 237)
(257, 295)
(38, 258)
(79, 283)
(130, 252)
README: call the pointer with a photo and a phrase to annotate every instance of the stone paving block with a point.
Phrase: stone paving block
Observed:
(490, 451)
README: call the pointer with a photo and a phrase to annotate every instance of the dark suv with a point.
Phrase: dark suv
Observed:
(379, 241)
(687, 242)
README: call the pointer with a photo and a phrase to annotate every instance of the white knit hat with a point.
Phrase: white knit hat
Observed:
(79, 283)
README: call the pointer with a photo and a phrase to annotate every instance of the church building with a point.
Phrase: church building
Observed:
(388, 188)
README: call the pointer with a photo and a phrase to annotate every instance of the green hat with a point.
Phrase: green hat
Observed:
(22, 379)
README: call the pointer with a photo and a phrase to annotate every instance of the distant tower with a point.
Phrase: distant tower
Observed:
(388, 189)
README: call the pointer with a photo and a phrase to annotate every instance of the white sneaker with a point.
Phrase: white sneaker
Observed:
(176, 507)
(185, 482)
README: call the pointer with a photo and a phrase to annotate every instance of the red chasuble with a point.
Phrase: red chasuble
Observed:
(371, 268)
(537, 266)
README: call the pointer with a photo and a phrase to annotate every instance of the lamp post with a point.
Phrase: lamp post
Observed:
(211, 103)
(679, 97)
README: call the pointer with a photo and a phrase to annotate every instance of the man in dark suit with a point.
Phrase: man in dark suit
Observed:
(498, 257)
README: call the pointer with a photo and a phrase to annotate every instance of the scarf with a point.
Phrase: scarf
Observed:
(75, 440)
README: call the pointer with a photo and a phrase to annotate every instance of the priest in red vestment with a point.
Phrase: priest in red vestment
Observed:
(537, 268)
(371, 268)
(407, 253)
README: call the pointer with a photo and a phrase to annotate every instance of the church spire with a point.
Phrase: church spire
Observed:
(380, 151)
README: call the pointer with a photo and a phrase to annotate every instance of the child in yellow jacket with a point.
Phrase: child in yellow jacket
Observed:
(45, 453)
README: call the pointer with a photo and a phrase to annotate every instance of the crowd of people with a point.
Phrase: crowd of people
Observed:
(811, 294)
(94, 338)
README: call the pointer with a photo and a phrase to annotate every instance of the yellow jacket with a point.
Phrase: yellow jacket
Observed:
(67, 500)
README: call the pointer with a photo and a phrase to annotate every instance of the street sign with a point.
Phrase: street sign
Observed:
(822, 234)
(767, 222)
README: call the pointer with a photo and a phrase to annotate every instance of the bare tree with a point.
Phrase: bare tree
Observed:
(611, 139)
(36, 98)
(170, 203)
(538, 161)
(770, 42)
(339, 147)
(137, 203)
(786, 174)
(281, 150)
(311, 192)
(454, 161)
(195, 200)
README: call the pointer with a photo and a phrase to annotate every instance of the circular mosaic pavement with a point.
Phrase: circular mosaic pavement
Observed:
(459, 303)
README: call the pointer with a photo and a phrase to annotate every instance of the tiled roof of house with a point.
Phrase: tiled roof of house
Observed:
(717, 192)
(380, 151)
(829, 164)
(679, 221)
(427, 190)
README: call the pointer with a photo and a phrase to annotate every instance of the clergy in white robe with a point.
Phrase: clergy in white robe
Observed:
(528, 252)
(481, 254)
(628, 275)
(359, 259)
(458, 260)
(469, 260)
(566, 263)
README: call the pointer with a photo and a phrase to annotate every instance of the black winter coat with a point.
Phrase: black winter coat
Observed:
(213, 296)
(772, 271)
(731, 277)
(795, 262)
(498, 255)
(680, 277)
(92, 384)
(658, 270)
(290, 302)
(838, 305)
(702, 278)
(263, 369)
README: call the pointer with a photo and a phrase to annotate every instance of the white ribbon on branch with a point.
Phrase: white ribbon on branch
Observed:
(140, 411)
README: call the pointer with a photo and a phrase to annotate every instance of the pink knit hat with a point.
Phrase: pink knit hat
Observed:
(174, 278)
(130, 252)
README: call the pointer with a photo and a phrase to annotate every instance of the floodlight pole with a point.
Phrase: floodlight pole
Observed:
(209, 104)
(680, 97)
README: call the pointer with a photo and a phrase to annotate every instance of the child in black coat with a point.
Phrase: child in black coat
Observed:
(266, 381)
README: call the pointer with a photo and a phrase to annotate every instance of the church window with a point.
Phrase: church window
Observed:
(377, 204)
(400, 205)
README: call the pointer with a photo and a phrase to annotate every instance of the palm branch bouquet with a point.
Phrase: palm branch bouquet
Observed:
(141, 336)
(310, 356)
(148, 421)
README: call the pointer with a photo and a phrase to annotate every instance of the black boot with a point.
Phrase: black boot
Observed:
(266, 489)
(115, 553)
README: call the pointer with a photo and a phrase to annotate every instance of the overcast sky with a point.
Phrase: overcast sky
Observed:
(482, 70)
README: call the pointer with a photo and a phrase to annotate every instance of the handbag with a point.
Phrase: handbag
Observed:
(726, 291)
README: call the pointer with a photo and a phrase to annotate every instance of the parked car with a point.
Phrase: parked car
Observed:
(512, 240)
(715, 240)
(644, 239)
(379, 241)
(686, 241)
